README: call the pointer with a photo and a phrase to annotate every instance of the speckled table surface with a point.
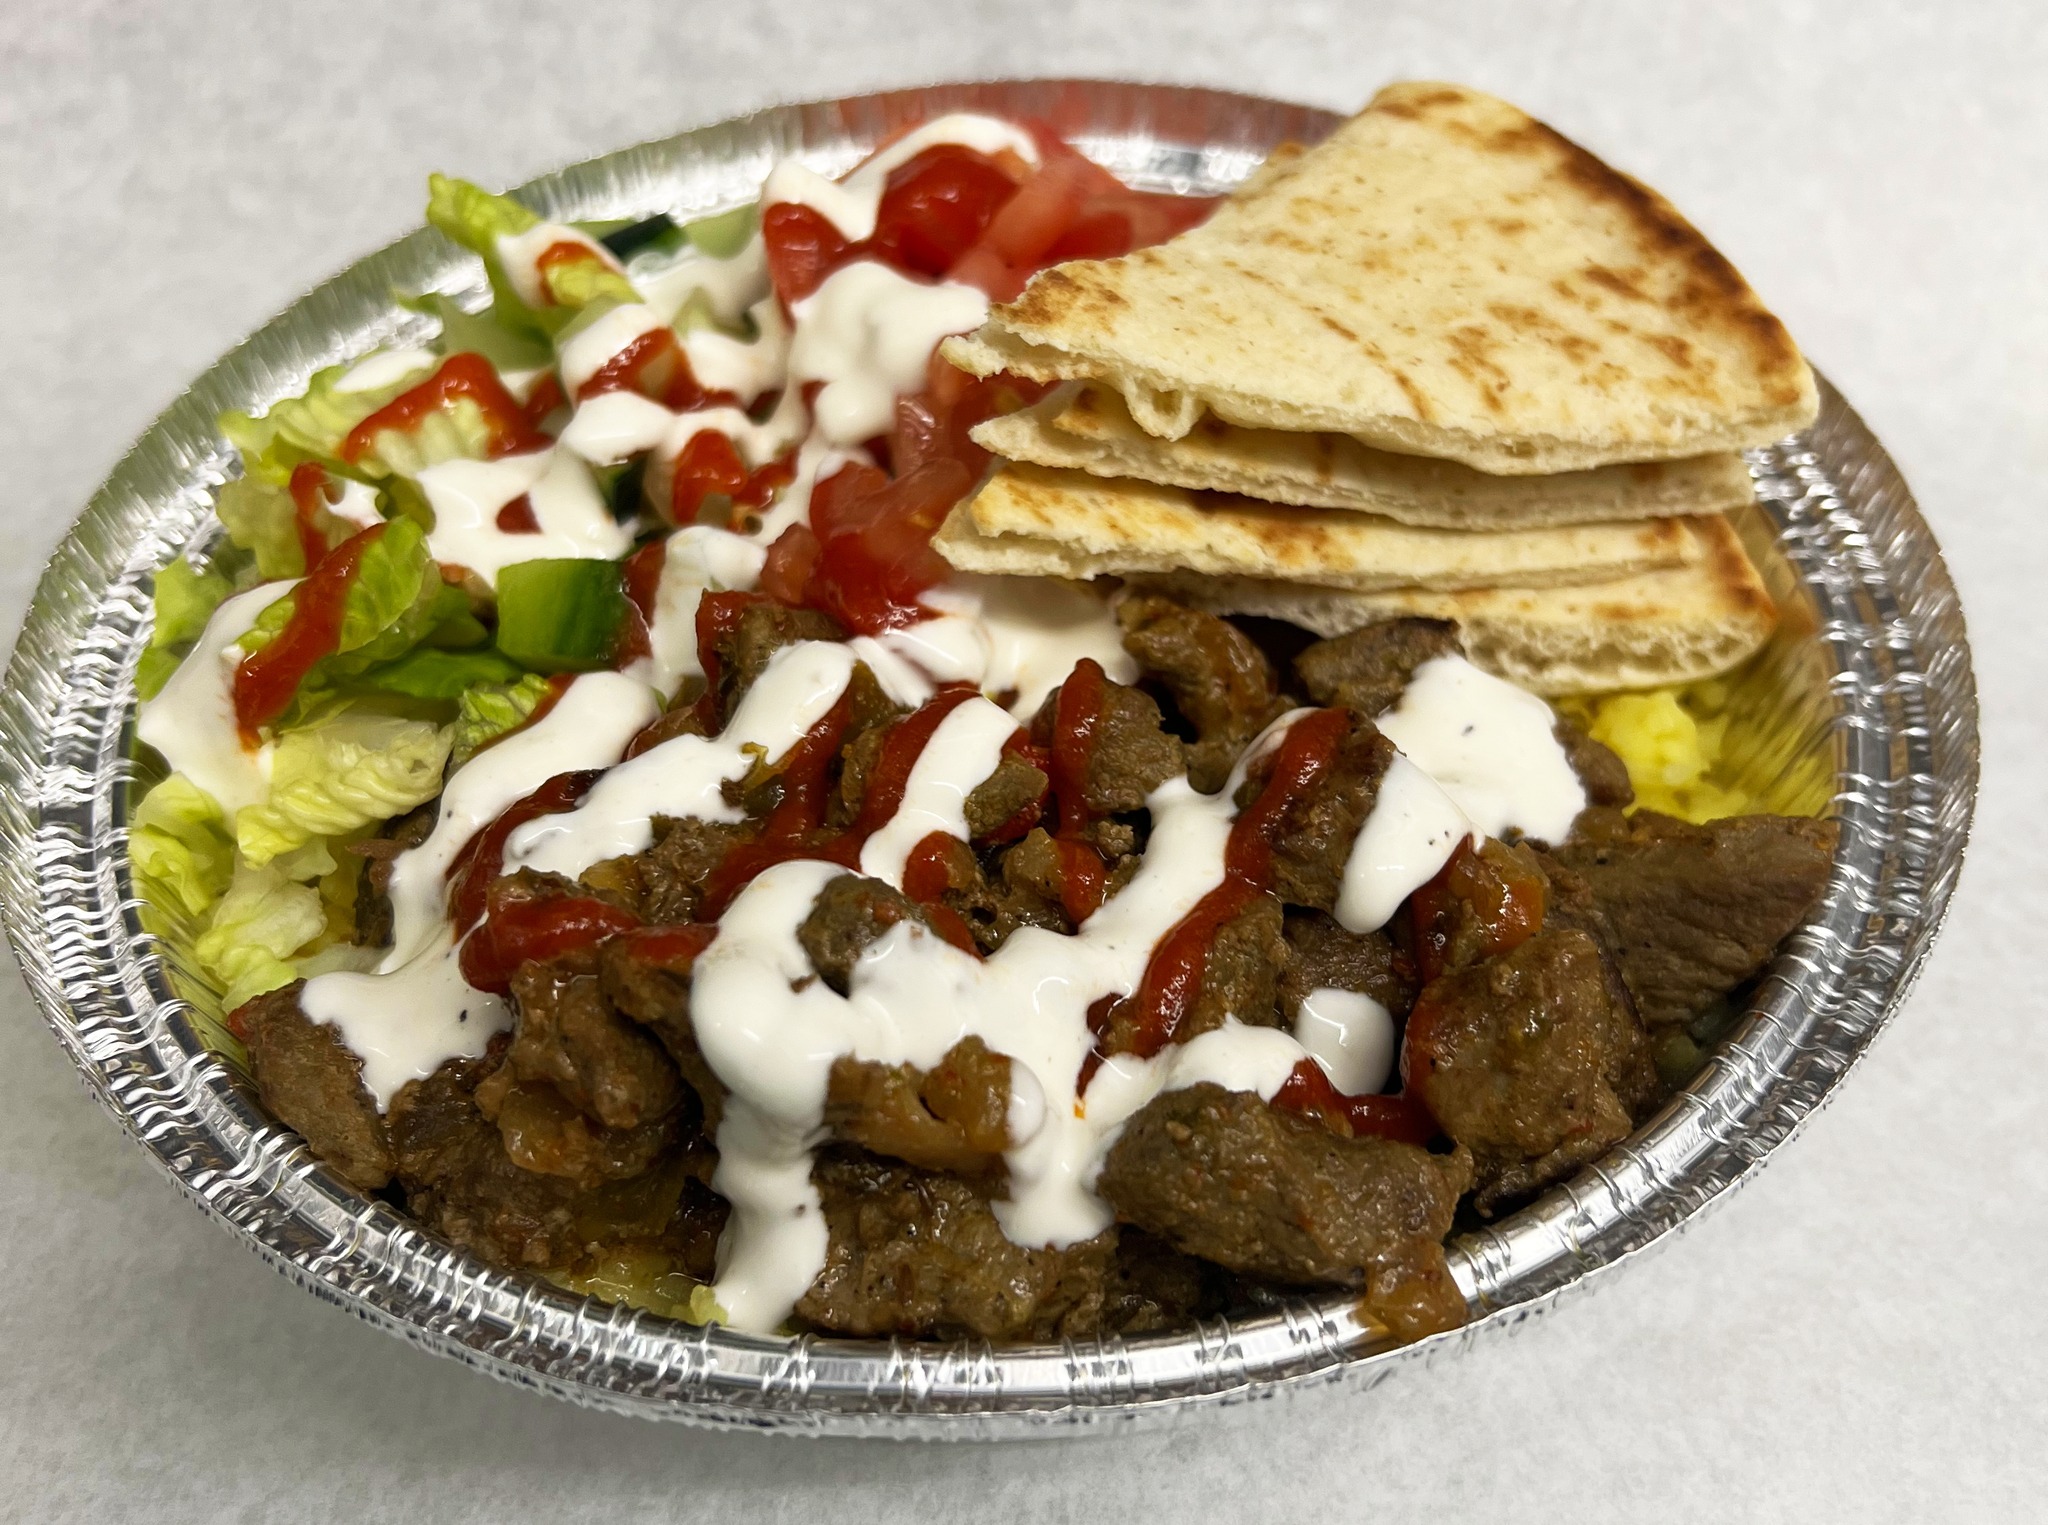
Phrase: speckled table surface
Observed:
(1847, 1339)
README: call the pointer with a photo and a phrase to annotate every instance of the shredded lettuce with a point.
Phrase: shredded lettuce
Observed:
(330, 779)
(395, 602)
(477, 219)
(180, 849)
(429, 672)
(724, 234)
(185, 600)
(483, 333)
(489, 711)
(309, 427)
(260, 519)
(260, 923)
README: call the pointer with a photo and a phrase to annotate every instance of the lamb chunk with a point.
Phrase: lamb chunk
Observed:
(1696, 911)
(665, 884)
(461, 1183)
(1268, 1193)
(850, 914)
(953, 1117)
(1534, 1061)
(567, 1034)
(1240, 978)
(646, 974)
(1313, 841)
(1366, 669)
(313, 1083)
(1220, 681)
(681, 718)
(543, 1133)
(919, 1254)
(1132, 754)
(742, 653)
(1602, 774)
(373, 890)
(1324, 956)
(1014, 787)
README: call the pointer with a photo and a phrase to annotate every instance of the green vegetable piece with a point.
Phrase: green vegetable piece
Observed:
(561, 615)
(490, 710)
(724, 234)
(185, 600)
(428, 672)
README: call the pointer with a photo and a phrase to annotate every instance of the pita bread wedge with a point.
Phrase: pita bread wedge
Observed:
(1071, 524)
(1087, 428)
(1672, 626)
(1443, 276)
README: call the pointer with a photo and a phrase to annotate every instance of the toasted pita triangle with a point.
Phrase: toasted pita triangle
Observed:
(1674, 626)
(1443, 276)
(1071, 524)
(1087, 428)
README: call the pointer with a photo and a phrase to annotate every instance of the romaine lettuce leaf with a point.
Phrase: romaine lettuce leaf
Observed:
(488, 712)
(309, 427)
(180, 849)
(396, 602)
(185, 600)
(483, 333)
(477, 219)
(261, 921)
(430, 672)
(260, 519)
(337, 777)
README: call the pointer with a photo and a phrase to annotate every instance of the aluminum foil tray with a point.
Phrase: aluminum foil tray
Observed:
(1866, 698)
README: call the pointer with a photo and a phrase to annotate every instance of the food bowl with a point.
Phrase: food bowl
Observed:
(1864, 706)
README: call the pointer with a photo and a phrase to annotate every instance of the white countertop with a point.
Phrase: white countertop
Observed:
(1856, 1336)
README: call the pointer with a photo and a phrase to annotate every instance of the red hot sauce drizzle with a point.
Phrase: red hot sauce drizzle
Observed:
(266, 679)
(793, 828)
(1173, 978)
(463, 377)
(1077, 716)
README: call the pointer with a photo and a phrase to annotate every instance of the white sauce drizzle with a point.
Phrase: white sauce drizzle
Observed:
(467, 495)
(192, 718)
(683, 776)
(770, 1030)
(1350, 1035)
(415, 1012)
(1490, 745)
(868, 334)
(519, 254)
(591, 346)
(699, 560)
(1411, 833)
(357, 504)
(744, 367)
(961, 754)
(730, 286)
(852, 205)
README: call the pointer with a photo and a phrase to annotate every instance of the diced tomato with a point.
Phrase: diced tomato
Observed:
(875, 542)
(517, 518)
(792, 559)
(936, 205)
(803, 248)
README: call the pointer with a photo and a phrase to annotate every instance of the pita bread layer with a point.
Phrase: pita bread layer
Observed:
(1442, 276)
(1070, 524)
(1087, 428)
(1674, 626)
